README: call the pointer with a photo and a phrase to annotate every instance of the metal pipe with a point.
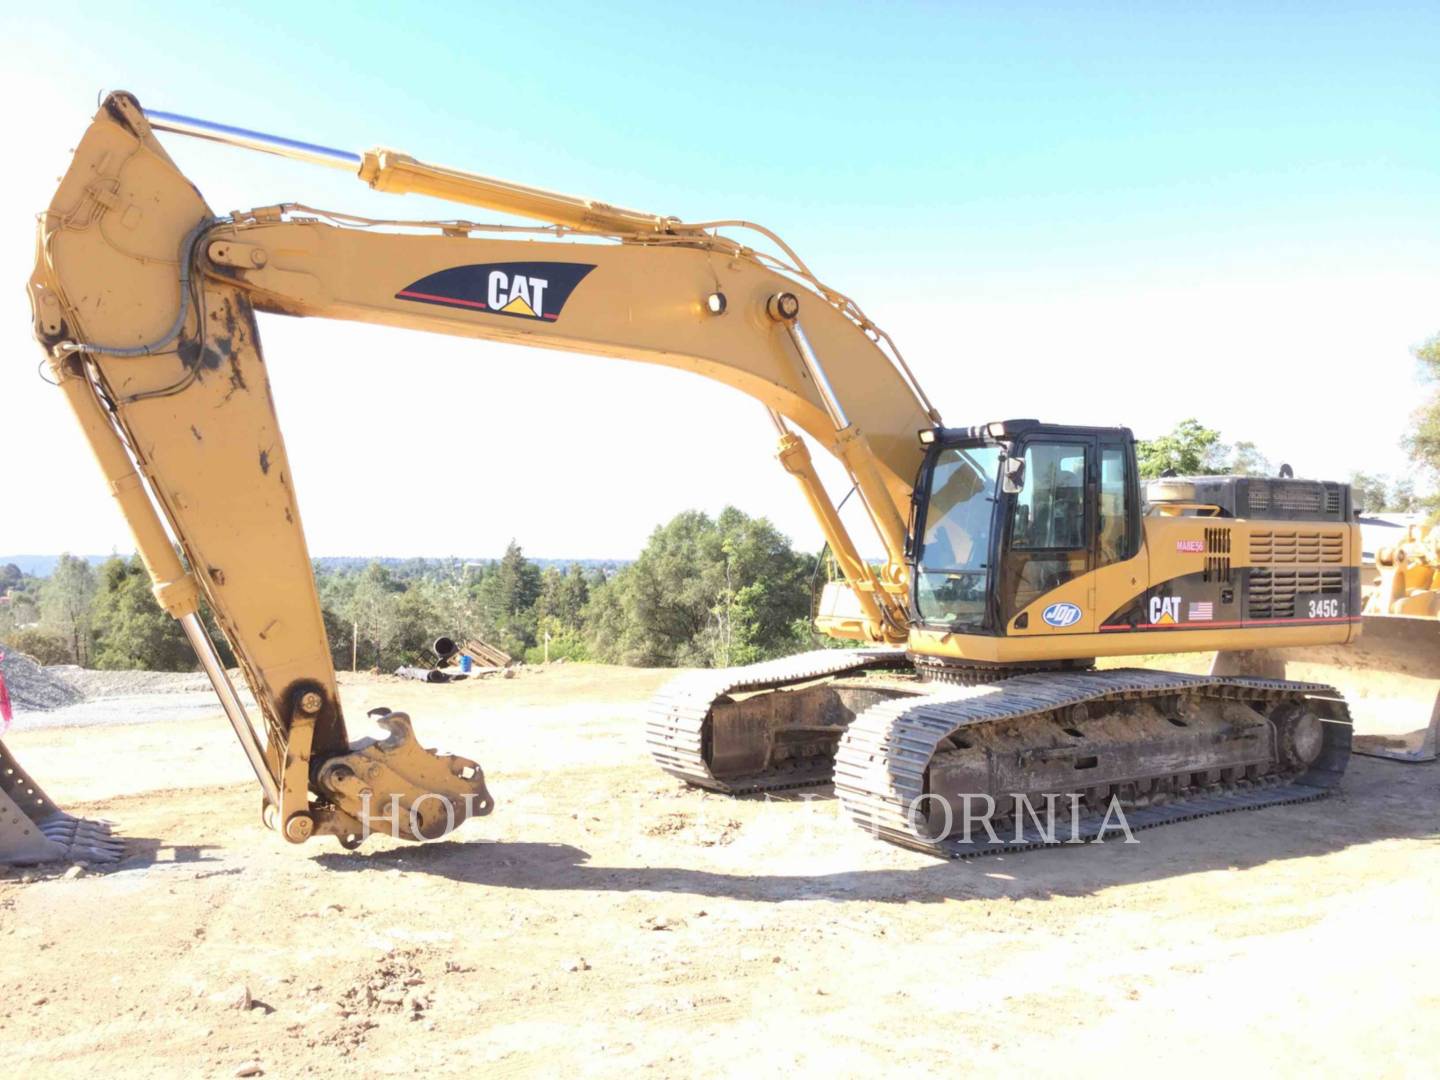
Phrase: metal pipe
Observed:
(817, 373)
(422, 674)
(230, 702)
(253, 140)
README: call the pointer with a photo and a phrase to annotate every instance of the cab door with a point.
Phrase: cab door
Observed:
(1121, 561)
(1045, 587)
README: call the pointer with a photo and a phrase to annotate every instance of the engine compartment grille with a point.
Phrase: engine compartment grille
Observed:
(1217, 555)
(1272, 592)
(1296, 546)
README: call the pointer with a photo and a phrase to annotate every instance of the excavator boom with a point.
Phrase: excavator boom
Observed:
(144, 301)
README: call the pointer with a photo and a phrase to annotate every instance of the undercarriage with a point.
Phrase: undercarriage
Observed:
(983, 760)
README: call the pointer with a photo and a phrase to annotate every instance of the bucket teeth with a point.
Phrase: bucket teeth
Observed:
(83, 839)
(57, 837)
(32, 830)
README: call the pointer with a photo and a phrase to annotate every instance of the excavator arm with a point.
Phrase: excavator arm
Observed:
(144, 302)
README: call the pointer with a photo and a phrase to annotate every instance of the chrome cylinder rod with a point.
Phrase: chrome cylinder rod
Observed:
(230, 702)
(253, 140)
(828, 396)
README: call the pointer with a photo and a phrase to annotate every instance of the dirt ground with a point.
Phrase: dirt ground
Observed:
(605, 920)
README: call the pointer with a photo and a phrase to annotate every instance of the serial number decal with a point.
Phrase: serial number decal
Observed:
(1190, 547)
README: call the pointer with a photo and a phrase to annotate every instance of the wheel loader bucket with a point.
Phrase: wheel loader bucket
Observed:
(34, 830)
(1390, 677)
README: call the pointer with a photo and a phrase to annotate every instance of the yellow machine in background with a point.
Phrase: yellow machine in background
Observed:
(1402, 635)
(1015, 552)
(1409, 582)
(1391, 675)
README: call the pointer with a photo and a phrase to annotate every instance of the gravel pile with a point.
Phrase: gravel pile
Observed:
(90, 684)
(116, 697)
(36, 688)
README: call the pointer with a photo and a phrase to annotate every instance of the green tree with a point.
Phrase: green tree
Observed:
(563, 595)
(507, 597)
(1247, 460)
(456, 611)
(418, 624)
(1190, 449)
(1403, 499)
(1369, 492)
(1423, 441)
(65, 601)
(557, 641)
(1375, 493)
(703, 592)
(131, 630)
(19, 599)
(339, 632)
(374, 611)
(517, 581)
(46, 648)
(560, 615)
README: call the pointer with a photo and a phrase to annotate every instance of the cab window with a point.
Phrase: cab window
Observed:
(955, 548)
(1115, 539)
(1049, 526)
(1049, 514)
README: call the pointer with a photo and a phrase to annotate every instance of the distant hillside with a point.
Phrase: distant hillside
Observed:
(410, 567)
(43, 565)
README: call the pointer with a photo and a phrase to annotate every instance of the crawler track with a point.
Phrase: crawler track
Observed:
(677, 729)
(885, 757)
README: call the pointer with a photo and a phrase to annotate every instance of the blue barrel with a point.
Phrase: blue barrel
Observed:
(465, 663)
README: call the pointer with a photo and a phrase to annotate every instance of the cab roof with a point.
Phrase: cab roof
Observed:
(1009, 430)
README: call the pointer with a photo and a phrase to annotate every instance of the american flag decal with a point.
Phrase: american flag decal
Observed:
(1202, 612)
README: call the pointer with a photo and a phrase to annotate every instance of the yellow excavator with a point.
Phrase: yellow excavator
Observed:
(1015, 552)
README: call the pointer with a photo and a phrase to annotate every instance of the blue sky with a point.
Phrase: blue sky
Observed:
(1091, 213)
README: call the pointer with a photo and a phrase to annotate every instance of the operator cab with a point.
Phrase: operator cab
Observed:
(1009, 511)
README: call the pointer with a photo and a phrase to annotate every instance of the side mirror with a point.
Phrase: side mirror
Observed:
(1012, 477)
